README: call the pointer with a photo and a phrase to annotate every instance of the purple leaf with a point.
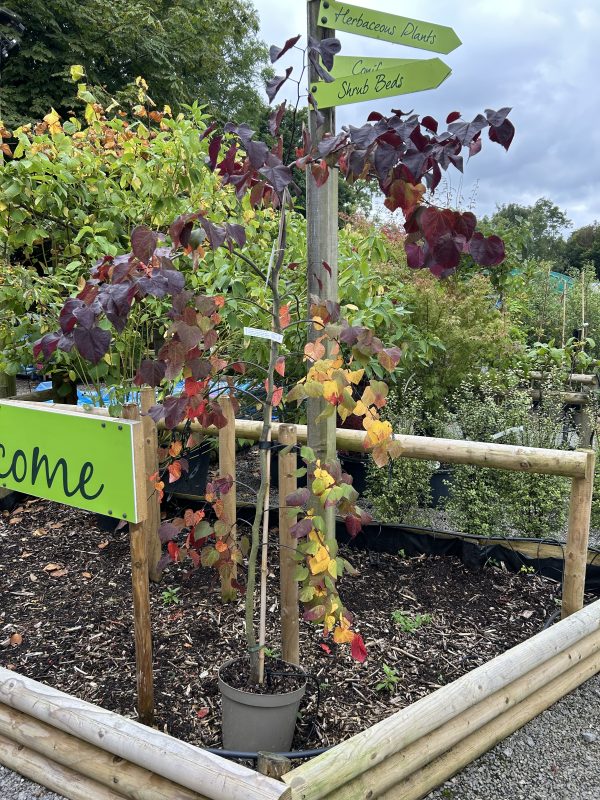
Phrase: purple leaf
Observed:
(150, 372)
(181, 228)
(67, 319)
(115, 300)
(302, 528)
(156, 285)
(85, 316)
(277, 174)
(274, 84)
(487, 251)
(496, 118)
(156, 412)
(452, 117)
(257, 153)
(208, 131)
(415, 257)
(213, 151)
(167, 532)
(46, 345)
(275, 118)
(175, 408)
(298, 498)
(143, 243)
(503, 134)
(92, 343)
(275, 52)
(430, 123)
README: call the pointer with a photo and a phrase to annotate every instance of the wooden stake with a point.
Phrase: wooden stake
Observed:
(273, 765)
(264, 571)
(227, 461)
(147, 400)
(138, 537)
(90, 761)
(322, 258)
(288, 586)
(580, 509)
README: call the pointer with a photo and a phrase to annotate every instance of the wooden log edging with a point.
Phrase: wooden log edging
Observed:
(93, 763)
(182, 763)
(334, 770)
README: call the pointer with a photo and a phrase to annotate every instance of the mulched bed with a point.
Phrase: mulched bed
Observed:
(66, 620)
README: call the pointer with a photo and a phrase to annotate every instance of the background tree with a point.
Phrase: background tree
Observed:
(583, 247)
(543, 224)
(185, 49)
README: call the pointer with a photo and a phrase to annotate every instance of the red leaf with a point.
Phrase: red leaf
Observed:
(202, 712)
(325, 647)
(284, 316)
(452, 117)
(239, 366)
(280, 366)
(277, 395)
(320, 172)
(174, 551)
(358, 651)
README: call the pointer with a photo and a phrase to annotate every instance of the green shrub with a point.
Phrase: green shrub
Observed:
(498, 503)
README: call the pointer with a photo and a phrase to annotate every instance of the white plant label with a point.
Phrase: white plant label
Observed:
(259, 333)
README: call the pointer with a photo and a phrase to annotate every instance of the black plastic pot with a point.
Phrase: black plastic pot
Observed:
(356, 466)
(193, 482)
(439, 483)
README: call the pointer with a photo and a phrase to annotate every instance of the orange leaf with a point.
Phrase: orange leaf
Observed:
(220, 546)
(16, 639)
(219, 507)
(192, 518)
(314, 350)
(280, 366)
(173, 550)
(174, 471)
(175, 449)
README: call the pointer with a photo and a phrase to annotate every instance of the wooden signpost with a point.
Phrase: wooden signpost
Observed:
(97, 463)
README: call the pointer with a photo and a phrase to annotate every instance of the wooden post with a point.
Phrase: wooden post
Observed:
(290, 623)
(273, 765)
(138, 536)
(322, 246)
(147, 400)
(227, 460)
(580, 509)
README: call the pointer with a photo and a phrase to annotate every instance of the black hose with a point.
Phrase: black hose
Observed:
(238, 755)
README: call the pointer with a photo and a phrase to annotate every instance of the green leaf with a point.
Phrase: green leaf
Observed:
(308, 454)
(300, 573)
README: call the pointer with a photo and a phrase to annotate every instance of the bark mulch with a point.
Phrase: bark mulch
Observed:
(66, 620)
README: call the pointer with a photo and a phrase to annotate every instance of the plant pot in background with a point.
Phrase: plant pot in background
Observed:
(439, 483)
(356, 466)
(193, 482)
(252, 722)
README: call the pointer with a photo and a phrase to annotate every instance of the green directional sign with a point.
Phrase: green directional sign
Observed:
(361, 65)
(391, 28)
(73, 457)
(413, 76)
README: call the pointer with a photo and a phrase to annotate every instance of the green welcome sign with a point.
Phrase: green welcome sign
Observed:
(411, 76)
(73, 457)
(361, 65)
(389, 27)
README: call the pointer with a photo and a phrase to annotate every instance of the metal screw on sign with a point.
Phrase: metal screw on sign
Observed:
(110, 511)
(124, 516)
(313, 88)
(104, 424)
(324, 20)
(326, 5)
(120, 427)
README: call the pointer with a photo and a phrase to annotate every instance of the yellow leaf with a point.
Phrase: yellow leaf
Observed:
(53, 121)
(77, 72)
(332, 569)
(356, 376)
(320, 561)
(343, 635)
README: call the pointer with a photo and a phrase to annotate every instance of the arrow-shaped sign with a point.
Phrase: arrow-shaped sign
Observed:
(411, 76)
(361, 65)
(391, 28)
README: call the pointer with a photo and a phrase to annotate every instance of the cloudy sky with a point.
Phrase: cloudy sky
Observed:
(541, 57)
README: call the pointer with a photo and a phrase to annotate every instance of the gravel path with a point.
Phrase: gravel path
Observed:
(554, 757)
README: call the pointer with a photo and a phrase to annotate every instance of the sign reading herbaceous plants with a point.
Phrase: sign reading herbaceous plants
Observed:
(389, 27)
(411, 76)
(73, 457)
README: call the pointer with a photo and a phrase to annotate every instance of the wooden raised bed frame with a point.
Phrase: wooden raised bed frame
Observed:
(86, 752)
